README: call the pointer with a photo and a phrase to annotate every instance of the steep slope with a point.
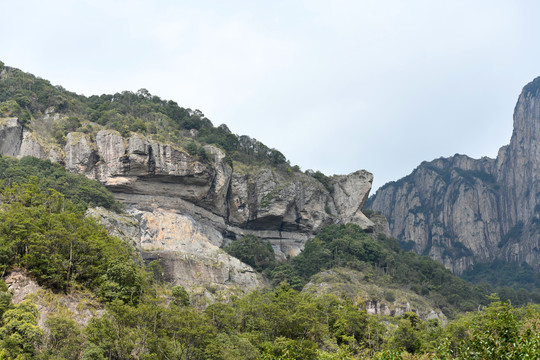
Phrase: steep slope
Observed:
(190, 188)
(463, 211)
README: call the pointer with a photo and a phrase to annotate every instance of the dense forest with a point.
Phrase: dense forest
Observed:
(45, 233)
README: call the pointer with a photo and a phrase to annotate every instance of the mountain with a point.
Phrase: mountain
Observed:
(463, 211)
(189, 188)
(208, 210)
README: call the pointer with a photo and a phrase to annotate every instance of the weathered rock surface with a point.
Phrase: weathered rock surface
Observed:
(11, 135)
(463, 211)
(186, 208)
(350, 195)
(188, 251)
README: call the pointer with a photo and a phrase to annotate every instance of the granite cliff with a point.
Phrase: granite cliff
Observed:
(462, 211)
(182, 209)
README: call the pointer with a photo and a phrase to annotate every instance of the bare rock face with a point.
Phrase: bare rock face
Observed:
(78, 150)
(268, 200)
(11, 136)
(186, 208)
(123, 226)
(30, 146)
(190, 253)
(463, 211)
(350, 195)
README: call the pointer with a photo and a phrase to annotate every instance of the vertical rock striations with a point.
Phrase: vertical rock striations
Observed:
(188, 207)
(462, 211)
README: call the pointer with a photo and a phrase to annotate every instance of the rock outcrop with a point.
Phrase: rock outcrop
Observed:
(188, 251)
(463, 211)
(181, 200)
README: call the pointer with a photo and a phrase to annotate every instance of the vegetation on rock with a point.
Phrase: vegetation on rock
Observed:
(45, 234)
(28, 97)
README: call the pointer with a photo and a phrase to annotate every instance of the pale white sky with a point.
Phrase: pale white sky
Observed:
(335, 85)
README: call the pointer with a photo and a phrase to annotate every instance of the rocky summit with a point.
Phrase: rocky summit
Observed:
(182, 210)
(462, 211)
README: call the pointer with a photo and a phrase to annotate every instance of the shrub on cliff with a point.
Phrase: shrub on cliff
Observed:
(253, 251)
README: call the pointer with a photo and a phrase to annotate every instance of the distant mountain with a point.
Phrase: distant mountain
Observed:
(463, 211)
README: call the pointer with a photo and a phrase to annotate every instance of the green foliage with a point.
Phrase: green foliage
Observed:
(24, 96)
(122, 281)
(279, 323)
(5, 299)
(43, 230)
(323, 179)
(11, 108)
(497, 333)
(64, 338)
(40, 232)
(80, 190)
(36, 95)
(191, 148)
(519, 283)
(253, 251)
(180, 296)
(155, 270)
(20, 334)
(407, 335)
(349, 246)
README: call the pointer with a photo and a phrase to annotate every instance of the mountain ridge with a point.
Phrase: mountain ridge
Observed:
(463, 211)
(178, 175)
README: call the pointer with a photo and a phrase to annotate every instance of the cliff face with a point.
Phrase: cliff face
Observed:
(185, 209)
(462, 211)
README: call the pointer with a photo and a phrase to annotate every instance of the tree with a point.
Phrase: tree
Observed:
(64, 338)
(123, 281)
(407, 335)
(20, 334)
(180, 296)
(253, 251)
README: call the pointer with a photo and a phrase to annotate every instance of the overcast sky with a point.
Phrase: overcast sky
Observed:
(336, 86)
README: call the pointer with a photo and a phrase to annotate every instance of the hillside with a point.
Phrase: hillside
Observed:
(131, 228)
(463, 212)
(75, 292)
(178, 176)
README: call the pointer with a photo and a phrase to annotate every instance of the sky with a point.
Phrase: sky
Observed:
(336, 86)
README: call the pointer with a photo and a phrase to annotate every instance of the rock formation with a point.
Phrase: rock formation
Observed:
(463, 211)
(186, 208)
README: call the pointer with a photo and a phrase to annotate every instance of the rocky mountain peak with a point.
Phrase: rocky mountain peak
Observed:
(526, 134)
(463, 211)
